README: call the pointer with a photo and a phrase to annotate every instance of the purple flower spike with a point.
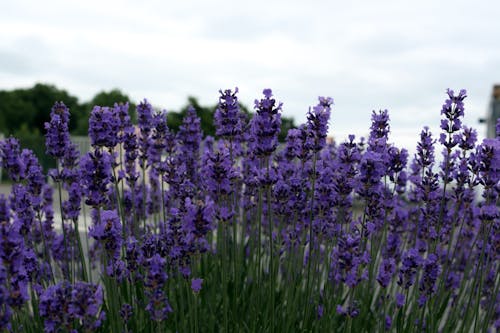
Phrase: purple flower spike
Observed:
(57, 137)
(145, 122)
(386, 271)
(126, 312)
(95, 176)
(10, 156)
(317, 122)
(400, 300)
(107, 229)
(156, 277)
(69, 306)
(196, 285)
(268, 93)
(321, 311)
(265, 125)
(388, 322)
(408, 270)
(104, 127)
(431, 269)
(189, 137)
(453, 110)
(228, 122)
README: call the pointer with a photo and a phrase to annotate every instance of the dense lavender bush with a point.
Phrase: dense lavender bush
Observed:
(197, 234)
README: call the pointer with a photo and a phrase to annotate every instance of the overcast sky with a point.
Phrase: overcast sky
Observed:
(367, 55)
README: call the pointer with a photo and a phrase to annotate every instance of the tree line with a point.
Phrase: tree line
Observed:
(23, 113)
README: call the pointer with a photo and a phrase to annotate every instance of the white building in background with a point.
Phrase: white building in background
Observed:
(493, 112)
(83, 143)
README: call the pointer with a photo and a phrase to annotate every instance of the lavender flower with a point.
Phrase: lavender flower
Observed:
(5, 310)
(386, 271)
(218, 173)
(159, 139)
(66, 306)
(407, 272)
(57, 137)
(294, 145)
(107, 230)
(103, 127)
(348, 262)
(400, 300)
(228, 122)
(10, 156)
(265, 125)
(189, 137)
(95, 176)
(388, 322)
(197, 223)
(35, 177)
(85, 305)
(425, 149)
(379, 131)
(123, 119)
(317, 122)
(431, 271)
(71, 207)
(158, 305)
(126, 312)
(453, 110)
(54, 303)
(21, 205)
(467, 140)
(489, 162)
(145, 122)
(196, 285)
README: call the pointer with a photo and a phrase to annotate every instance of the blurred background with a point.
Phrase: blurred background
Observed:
(367, 55)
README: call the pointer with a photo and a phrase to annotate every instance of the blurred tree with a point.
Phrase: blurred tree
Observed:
(15, 111)
(286, 124)
(31, 107)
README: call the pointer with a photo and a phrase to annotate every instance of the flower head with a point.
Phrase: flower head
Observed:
(104, 127)
(57, 137)
(317, 122)
(228, 122)
(196, 285)
(265, 125)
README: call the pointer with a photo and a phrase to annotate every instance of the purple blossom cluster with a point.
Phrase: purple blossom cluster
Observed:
(57, 135)
(72, 307)
(242, 232)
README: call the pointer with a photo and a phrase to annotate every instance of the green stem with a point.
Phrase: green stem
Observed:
(80, 250)
(271, 251)
(311, 235)
(143, 166)
(65, 238)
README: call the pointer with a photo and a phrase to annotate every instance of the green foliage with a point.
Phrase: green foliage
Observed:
(14, 112)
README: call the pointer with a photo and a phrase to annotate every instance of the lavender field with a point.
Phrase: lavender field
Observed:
(242, 233)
